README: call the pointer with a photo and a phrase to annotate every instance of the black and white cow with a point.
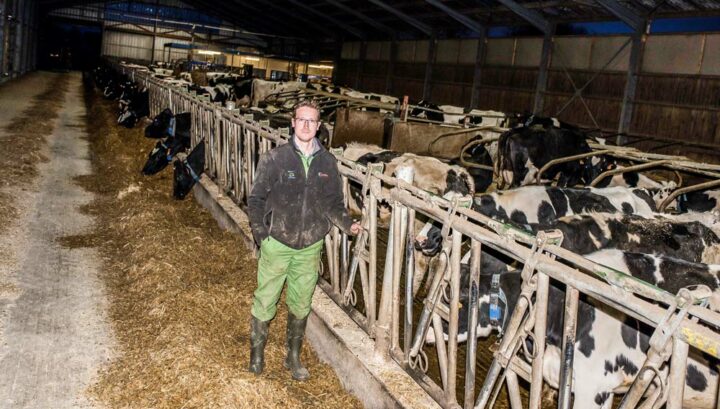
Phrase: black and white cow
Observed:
(219, 93)
(691, 241)
(262, 89)
(610, 347)
(430, 174)
(533, 205)
(697, 202)
(480, 155)
(187, 172)
(545, 204)
(163, 153)
(387, 99)
(176, 128)
(668, 273)
(243, 91)
(524, 150)
(450, 114)
(166, 124)
(137, 108)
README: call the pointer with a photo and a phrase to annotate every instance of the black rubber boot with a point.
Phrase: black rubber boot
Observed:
(295, 335)
(258, 339)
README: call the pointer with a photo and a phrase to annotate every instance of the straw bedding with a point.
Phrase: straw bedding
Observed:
(180, 292)
(22, 142)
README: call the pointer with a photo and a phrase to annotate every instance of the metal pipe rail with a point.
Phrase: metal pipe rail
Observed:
(233, 145)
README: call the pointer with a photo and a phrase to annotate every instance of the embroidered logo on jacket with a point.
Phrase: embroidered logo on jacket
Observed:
(322, 175)
(291, 174)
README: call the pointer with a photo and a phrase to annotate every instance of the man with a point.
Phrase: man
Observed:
(296, 196)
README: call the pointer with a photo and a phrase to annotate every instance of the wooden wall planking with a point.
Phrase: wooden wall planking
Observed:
(682, 107)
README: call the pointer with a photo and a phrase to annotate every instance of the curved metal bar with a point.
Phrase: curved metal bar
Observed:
(467, 146)
(626, 169)
(567, 159)
(692, 188)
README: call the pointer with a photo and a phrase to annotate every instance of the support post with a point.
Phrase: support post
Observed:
(545, 59)
(473, 312)
(477, 73)
(568, 347)
(427, 84)
(154, 36)
(628, 105)
(361, 63)
(541, 305)
(678, 369)
(455, 256)
(386, 320)
(390, 72)
(375, 188)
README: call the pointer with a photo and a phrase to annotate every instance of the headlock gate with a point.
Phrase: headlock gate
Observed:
(680, 321)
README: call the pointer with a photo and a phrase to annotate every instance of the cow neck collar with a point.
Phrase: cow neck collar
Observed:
(194, 175)
(171, 127)
(497, 294)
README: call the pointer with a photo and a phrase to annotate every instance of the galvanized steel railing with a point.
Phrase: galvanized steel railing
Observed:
(233, 145)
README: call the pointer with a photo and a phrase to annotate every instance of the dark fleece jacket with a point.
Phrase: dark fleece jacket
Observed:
(293, 208)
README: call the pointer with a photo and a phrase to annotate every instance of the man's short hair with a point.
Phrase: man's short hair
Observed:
(306, 103)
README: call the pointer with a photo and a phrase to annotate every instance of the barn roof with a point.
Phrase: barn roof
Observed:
(408, 19)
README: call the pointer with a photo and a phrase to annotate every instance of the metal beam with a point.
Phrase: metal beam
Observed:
(427, 83)
(541, 84)
(361, 16)
(477, 73)
(340, 24)
(623, 13)
(391, 67)
(295, 16)
(628, 104)
(460, 18)
(361, 64)
(532, 16)
(406, 18)
(227, 11)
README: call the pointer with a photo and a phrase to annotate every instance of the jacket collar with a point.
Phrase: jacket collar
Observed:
(317, 147)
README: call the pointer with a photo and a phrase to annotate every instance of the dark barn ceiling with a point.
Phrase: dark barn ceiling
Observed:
(407, 19)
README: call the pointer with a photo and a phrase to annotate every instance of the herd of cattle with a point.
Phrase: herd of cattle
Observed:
(616, 224)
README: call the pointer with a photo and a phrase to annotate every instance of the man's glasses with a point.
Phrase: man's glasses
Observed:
(305, 121)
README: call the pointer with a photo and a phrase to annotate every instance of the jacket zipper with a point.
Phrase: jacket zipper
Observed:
(304, 205)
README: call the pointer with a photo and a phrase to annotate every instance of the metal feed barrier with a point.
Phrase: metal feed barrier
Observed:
(233, 143)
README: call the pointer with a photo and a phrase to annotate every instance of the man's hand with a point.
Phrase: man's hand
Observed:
(355, 229)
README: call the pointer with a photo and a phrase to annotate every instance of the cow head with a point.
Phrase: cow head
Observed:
(188, 171)
(495, 296)
(127, 118)
(419, 112)
(429, 240)
(594, 166)
(162, 125)
(162, 154)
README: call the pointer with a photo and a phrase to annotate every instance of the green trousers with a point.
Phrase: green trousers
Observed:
(278, 263)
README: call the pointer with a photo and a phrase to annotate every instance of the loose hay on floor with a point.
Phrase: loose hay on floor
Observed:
(22, 143)
(180, 292)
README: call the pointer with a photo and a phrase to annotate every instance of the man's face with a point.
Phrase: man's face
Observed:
(306, 123)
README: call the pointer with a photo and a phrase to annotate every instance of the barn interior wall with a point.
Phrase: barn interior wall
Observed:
(18, 38)
(678, 84)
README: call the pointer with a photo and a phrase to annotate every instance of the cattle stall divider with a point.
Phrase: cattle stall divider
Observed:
(233, 145)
